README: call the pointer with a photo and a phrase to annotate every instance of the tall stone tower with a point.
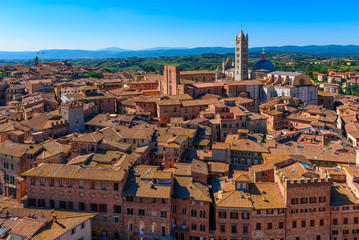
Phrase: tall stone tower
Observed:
(170, 81)
(36, 61)
(73, 112)
(241, 57)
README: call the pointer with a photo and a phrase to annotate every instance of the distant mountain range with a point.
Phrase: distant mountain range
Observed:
(115, 52)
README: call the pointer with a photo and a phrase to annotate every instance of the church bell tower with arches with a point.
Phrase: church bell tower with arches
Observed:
(241, 57)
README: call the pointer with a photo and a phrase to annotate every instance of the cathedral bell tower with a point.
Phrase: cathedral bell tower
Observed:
(241, 57)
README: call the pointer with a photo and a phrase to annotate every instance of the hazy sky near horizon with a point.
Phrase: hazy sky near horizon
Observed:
(89, 24)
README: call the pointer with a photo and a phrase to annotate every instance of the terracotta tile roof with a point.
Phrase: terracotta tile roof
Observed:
(266, 196)
(49, 170)
(53, 148)
(246, 145)
(138, 187)
(62, 226)
(342, 195)
(218, 167)
(233, 199)
(299, 170)
(13, 149)
(186, 188)
(197, 72)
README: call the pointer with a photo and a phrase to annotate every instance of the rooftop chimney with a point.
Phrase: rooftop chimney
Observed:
(54, 218)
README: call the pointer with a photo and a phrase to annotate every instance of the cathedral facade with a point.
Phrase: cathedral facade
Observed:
(273, 83)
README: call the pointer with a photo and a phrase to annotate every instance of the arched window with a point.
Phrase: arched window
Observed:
(154, 228)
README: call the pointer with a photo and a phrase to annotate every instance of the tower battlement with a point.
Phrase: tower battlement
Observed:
(72, 105)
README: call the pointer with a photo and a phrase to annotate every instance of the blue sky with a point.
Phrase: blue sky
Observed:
(130, 24)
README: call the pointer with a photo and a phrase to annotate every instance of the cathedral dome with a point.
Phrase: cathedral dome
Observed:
(263, 64)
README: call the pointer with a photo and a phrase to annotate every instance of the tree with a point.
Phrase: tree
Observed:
(94, 75)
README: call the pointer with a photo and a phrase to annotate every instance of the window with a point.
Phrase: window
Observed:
(103, 208)
(81, 206)
(104, 219)
(335, 221)
(193, 213)
(69, 183)
(174, 208)
(270, 211)
(117, 208)
(194, 226)
(245, 228)
(202, 228)
(294, 201)
(202, 214)
(312, 223)
(281, 225)
(294, 224)
(303, 223)
(234, 228)
(115, 186)
(321, 222)
(234, 215)
(184, 210)
(222, 228)
(345, 208)
(116, 219)
(130, 227)
(245, 215)
(303, 201)
(153, 200)
(222, 215)
(345, 221)
(312, 200)
(93, 207)
(141, 212)
(73, 231)
(163, 214)
(345, 232)
(61, 182)
(81, 184)
(104, 185)
(270, 225)
(83, 225)
(42, 181)
(129, 211)
(322, 199)
(258, 226)
(129, 199)
(33, 181)
(355, 220)
(93, 185)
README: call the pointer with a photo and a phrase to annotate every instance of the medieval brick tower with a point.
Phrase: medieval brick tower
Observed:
(74, 113)
(241, 57)
(171, 80)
